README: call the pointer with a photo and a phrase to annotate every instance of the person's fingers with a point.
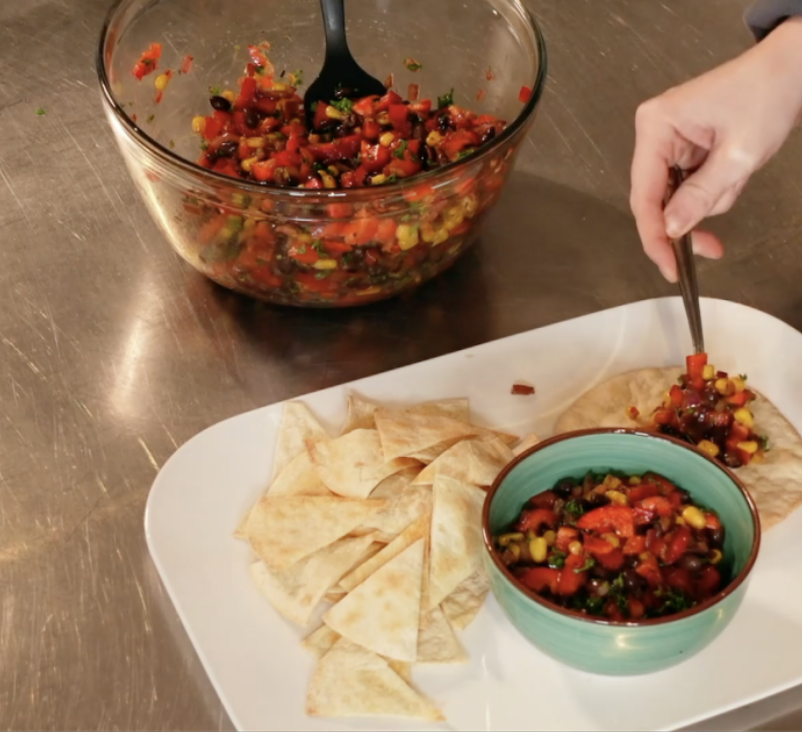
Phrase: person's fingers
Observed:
(707, 245)
(727, 199)
(725, 169)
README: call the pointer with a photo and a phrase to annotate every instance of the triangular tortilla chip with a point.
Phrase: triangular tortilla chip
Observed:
(472, 461)
(437, 642)
(404, 434)
(284, 530)
(463, 604)
(320, 641)
(402, 508)
(296, 592)
(299, 478)
(395, 484)
(418, 530)
(361, 411)
(383, 613)
(299, 427)
(360, 414)
(453, 408)
(353, 465)
(402, 668)
(456, 548)
(241, 532)
(350, 681)
(526, 442)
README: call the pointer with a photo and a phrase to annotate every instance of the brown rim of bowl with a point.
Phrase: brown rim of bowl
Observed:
(728, 590)
(170, 158)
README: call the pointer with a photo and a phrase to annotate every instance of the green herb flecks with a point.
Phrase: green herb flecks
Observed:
(40, 111)
(574, 508)
(150, 118)
(589, 564)
(556, 560)
(343, 105)
(317, 245)
(446, 100)
(412, 64)
(400, 150)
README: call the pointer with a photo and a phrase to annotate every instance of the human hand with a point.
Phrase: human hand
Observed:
(725, 125)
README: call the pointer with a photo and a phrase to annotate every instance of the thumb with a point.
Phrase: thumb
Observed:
(724, 170)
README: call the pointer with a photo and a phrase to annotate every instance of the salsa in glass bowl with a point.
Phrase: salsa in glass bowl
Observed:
(387, 195)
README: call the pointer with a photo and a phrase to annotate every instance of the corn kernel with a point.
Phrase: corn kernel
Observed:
(427, 232)
(635, 480)
(375, 290)
(377, 180)
(279, 86)
(538, 548)
(645, 556)
(738, 383)
(324, 264)
(667, 401)
(708, 372)
(613, 539)
(516, 551)
(440, 236)
(575, 547)
(744, 416)
(333, 112)
(709, 448)
(453, 217)
(386, 139)
(469, 205)
(255, 142)
(724, 387)
(434, 138)
(679, 521)
(198, 125)
(612, 482)
(694, 517)
(715, 556)
(617, 497)
(228, 94)
(750, 447)
(507, 539)
(530, 535)
(383, 118)
(328, 180)
(407, 236)
(162, 80)
(247, 164)
(550, 537)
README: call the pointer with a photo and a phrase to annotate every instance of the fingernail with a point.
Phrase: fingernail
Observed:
(669, 274)
(675, 226)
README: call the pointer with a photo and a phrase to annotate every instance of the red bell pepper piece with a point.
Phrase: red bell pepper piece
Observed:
(676, 544)
(649, 569)
(676, 394)
(360, 232)
(385, 234)
(679, 579)
(636, 608)
(635, 545)
(365, 107)
(148, 61)
(524, 95)
(458, 141)
(644, 490)
(596, 545)
(572, 580)
(247, 94)
(738, 400)
(613, 561)
(565, 535)
(340, 210)
(707, 583)
(186, 65)
(539, 579)
(609, 518)
(371, 130)
(334, 247)
(533, 519)
(694, 365)
(383, 104)
(658, 505)
(399, 119)
(545, 499)
(712, 522)
(212, 129)
(263, 170)
(303, 253)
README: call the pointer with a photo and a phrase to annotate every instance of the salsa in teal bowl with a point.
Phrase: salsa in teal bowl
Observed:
(532, 594)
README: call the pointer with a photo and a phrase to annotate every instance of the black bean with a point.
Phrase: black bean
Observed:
(252, 118)
(632, 579)
(227, 149)
(563, 488)
(598, 572)
(489, 135)
(691, 562)
(221, 104)
(716, 537)
(418, 130)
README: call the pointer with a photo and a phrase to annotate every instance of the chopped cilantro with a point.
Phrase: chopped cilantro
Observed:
(150, 118)
(674, 601)
(344, 105)
(556, 560)
(574, 508)
(204, 145)
(589, 564)
(317, 245)
(40, 111)
(743, 377)
(301, 249)
(171, 144)
(617, 594)
(321, 275)
(399, 151)
(215, 91)
(412, 64)
(466, 153)
(298, 77)
(446, 100)
(764, 442)
(314, 106)
(391, 178)
(594, 605)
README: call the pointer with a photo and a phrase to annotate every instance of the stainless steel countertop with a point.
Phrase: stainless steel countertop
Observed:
(113, 352)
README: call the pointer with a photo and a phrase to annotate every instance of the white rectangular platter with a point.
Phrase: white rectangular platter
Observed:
(253, 656)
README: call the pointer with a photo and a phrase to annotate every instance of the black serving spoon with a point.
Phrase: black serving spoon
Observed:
(341, 76)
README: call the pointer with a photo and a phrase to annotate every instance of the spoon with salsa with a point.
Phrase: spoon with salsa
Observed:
(341, 76)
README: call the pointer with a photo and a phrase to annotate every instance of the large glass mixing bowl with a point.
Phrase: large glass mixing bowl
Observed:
(238, 233)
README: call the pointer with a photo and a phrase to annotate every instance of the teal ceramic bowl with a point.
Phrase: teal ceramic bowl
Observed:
(598, 645)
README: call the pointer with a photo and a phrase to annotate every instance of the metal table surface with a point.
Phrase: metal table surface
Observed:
(113, 352)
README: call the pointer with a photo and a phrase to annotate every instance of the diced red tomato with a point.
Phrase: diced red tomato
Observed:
(708, 582)
(596, 545)
(649, 569)
(658, 505)
(534, 519)
(539, 579)
(613, 561)
(695, 364)
(565, 535)
(546, 499)
(524, 94)
(679, 579)
(148, 62)
(571, 579)
(676, 544)
(186, 65)
(635, 545)
(639, 492)
(636, 608)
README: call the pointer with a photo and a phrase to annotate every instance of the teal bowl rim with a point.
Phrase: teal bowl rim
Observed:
(548, 605)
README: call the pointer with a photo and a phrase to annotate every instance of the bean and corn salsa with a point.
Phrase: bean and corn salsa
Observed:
(710, 409)
(615, 546)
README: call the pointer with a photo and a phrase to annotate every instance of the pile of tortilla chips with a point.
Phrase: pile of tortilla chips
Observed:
(378, 533)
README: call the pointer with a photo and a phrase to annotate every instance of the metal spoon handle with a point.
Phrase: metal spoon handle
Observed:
(334, 25)
(686, 269)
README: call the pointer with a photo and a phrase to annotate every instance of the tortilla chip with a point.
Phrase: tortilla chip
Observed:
(465, 602)
(402, 508)
(353, 465)
(241, 532)
(350, 681)
(296, 592)
(406, 434)
(526, 442)
(361, 411)
(284, 530)
(320, 641)
(418, 530)
(299, 427)
(452, 408)
(395, 484)
(402, 668)
(456, 538)
(775, 484)
(299, 478)
(360, 414)
(471, 461)
(382, 614)
(437, 642)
